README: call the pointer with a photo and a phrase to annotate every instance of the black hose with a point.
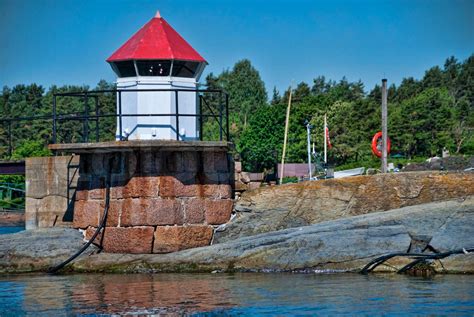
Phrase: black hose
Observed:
(419, 257)
(436, 256)
(56, 268)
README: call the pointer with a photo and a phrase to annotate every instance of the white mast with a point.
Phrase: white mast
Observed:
(325, 141)
(308, 131)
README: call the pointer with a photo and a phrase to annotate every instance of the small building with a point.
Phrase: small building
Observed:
(157, 57)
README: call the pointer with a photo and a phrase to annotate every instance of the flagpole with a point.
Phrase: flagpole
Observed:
(287, 123)
(325, 140)
(308, 132)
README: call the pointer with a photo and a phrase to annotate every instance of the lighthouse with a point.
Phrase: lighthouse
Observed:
(157, 75)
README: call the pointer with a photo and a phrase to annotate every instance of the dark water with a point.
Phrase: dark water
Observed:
(236, 295)
(7, 230)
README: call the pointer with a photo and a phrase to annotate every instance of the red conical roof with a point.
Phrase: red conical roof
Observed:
(156, 40)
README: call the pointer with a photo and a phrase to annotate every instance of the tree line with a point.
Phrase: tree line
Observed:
(426, 115)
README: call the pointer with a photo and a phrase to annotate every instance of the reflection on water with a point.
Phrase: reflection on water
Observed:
(237, 294)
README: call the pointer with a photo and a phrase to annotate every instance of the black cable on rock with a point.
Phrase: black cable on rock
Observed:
(377, 261)
(419, 257)
(56, 268)
(435, 256)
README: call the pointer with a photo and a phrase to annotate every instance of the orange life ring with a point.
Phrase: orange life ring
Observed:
(375, 144)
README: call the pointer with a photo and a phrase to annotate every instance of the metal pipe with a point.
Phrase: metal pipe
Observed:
(80, 94)
(10, 147)
(308, 133)
(325, 140)
(177, 114)
(220, 117)
(227, 116)
(200, 118)
(54, 119)
(120, 114)
(96, 100)
(85, 136)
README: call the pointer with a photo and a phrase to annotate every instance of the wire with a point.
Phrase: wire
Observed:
(58, 267)
(419, 257)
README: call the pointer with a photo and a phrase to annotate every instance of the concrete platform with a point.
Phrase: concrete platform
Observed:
(128, 146)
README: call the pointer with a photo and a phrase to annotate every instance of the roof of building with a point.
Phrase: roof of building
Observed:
(156, 40)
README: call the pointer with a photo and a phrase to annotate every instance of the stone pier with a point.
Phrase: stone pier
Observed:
(48, 202)
(165, 196)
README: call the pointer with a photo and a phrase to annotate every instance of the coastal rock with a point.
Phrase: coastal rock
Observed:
(293, 205)
(456, 233)
(344, 244)
(38, 250)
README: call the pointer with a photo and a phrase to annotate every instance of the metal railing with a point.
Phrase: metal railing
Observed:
(217, 108)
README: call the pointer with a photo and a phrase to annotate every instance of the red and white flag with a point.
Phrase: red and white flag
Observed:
(327, 138)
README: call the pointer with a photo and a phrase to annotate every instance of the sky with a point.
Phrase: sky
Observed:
(67, 41)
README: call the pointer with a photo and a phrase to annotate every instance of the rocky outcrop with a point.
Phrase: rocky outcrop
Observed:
(38, 250)
(279, 207)
(344, 244)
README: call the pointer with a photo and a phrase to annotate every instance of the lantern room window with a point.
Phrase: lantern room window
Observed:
(125, 69)
(185, 69)
(153, 67)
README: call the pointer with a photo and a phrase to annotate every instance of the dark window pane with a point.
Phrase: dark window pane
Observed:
(125, 69)
(154, 68)
(185, 69)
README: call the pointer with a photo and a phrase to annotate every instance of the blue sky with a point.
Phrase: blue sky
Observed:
(67, 42)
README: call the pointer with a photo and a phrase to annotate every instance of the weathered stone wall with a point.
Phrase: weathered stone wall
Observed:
(47, 201)
(160, 201)
(279, 207)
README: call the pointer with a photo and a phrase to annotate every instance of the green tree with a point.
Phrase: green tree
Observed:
(261, 143)
(30, 149)
(246, 89)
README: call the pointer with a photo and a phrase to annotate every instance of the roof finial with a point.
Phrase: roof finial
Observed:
(158, 15)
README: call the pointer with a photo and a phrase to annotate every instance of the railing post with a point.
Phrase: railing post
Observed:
(10, 148)
(85, 136)
(54, 119)
(200, 118)
(220, 116)
(120, 113)
(96, 100)
(227, 116)
(177, 114)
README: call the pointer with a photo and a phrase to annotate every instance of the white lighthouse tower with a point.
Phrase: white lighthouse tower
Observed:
(157, 59)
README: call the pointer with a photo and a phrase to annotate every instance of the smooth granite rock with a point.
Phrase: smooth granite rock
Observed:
(293, 205)
(344, 245)
(38, 250)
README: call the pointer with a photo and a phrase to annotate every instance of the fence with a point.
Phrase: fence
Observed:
(212, 108)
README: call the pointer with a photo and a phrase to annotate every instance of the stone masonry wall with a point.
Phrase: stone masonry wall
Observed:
(47, 201)
(160, 201)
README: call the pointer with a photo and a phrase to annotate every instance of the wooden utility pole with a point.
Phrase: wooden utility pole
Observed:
(287, 123)
(384, 126)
